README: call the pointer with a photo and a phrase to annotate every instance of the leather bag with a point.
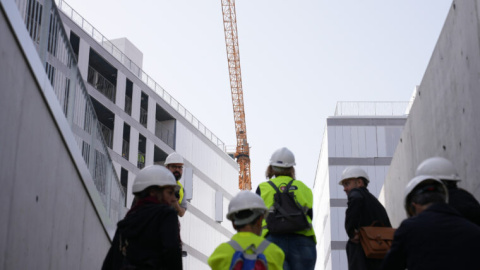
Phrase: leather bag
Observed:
(376, 241)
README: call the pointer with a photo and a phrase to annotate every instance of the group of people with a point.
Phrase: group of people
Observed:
(442, 230)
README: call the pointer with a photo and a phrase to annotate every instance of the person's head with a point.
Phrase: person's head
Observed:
(174, 163)
(423, 191)
(353, 177)
(246, 211)
(281, 164)
(155, 181)
(440, 168)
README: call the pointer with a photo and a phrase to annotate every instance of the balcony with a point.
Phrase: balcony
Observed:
(164, 134)
(107, 134)
(125, 149)
(101, 84)
(128, 105)
(143, 117)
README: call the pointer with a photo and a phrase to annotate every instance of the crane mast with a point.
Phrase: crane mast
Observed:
(242, 153)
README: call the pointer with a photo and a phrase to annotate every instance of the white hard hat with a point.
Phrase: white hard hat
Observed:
(424, 180)
(154, 175)
(354, 172)
(283, 158)
(174, 158)
(439, 167)
(246, 200)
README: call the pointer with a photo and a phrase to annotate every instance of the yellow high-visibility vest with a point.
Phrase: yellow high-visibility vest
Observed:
(181, 192)
(303, 195)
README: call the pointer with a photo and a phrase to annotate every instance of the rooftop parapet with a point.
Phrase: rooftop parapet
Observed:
(372, 108)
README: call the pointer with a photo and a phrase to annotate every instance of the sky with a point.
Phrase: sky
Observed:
(298, 59)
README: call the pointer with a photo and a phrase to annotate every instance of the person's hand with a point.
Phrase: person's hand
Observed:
(356, 238)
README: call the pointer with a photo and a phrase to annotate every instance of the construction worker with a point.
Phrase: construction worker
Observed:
(149, 235)
(458, 198)
(363, 210)
(246, 211)
(435, 236)
(298, 246)
(174, 163)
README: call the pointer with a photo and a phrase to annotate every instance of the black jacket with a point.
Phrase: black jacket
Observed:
(363, 209)
(464, 203)
(149, 236)
(438, 238)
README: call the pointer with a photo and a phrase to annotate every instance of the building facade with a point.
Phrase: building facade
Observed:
(361, 134)
(122, 121)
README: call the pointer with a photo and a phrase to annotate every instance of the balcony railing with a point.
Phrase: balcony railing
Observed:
(128, 105)
(54, 50)
(137, 71)
(100, 83)
(143, 117)
(164, 134)
(125, 149)
(107, 134)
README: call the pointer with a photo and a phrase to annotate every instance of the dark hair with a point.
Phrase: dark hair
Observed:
(279, 171)
(428, 193)
(365, 181)
(244, 214)
(146, 192)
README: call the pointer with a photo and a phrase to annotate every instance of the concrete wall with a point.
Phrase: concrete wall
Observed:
(445, 117)
(48, 218)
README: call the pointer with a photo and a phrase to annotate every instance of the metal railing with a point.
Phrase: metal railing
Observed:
(164, 134)
(100, 83)
(137, 71)
(125, 149)
(143, 117)
(54, 50)
(374, 108)
(107, 134)
(128, 105)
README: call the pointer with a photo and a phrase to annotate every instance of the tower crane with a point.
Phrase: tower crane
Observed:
(242, 153)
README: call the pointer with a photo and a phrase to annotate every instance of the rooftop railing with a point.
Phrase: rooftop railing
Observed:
(374, 108)
(137, 71)
(43, 23)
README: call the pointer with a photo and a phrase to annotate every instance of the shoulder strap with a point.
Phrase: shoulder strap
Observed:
(289, 185)
(263, 246)
(235, 245)
(276, 188)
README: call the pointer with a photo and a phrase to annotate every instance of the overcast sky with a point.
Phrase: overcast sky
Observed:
(298, 58)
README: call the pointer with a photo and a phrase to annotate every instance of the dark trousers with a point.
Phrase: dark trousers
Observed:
(358, 261)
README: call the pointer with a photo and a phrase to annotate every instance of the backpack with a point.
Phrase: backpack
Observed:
(242, 260)
(287, 216)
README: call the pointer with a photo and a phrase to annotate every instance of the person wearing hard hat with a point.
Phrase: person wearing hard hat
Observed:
(458, 198)
(435, 236)
(174, 163)
(246, 211)
(298, 246)
(149, 235)
(363, 209)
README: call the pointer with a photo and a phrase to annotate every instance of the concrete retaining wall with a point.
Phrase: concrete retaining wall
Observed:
(48, 220)
(445, 117)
